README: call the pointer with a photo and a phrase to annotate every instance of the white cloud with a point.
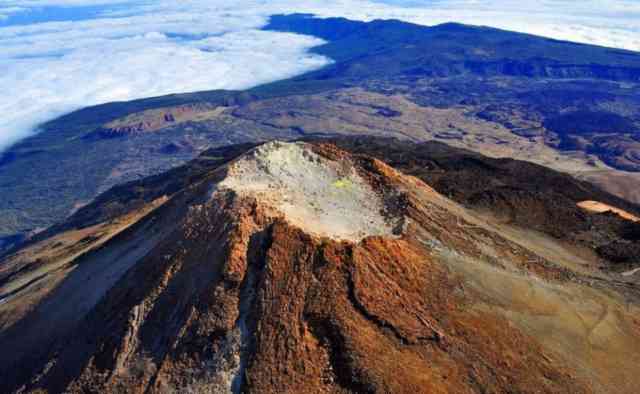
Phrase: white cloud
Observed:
(135, 49)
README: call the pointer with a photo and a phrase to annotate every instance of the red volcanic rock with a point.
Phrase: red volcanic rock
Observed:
(241, 292)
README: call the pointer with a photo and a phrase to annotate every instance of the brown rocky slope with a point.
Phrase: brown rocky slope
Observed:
(237, 283)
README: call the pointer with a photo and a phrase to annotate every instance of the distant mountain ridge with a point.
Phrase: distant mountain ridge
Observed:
(391, 47)
(365, 40)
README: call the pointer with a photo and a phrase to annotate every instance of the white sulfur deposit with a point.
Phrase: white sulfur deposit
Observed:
(318, 195)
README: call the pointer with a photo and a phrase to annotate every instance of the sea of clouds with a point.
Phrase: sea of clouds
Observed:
(61, 55)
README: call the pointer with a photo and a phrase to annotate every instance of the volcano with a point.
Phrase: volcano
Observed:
(301, 267)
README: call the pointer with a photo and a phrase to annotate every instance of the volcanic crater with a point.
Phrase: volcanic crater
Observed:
(324, 196)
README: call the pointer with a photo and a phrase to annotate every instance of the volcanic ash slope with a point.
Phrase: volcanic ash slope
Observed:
(299, 268)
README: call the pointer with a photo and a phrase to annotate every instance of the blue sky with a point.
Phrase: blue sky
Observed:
(60, 55)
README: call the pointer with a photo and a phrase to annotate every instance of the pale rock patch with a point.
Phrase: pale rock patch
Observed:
(599, 207)
(320, 196)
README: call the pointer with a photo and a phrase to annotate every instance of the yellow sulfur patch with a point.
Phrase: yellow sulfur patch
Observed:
(342, 183)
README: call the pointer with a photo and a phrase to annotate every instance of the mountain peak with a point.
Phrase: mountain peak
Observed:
(323, 195)
(241, 282)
